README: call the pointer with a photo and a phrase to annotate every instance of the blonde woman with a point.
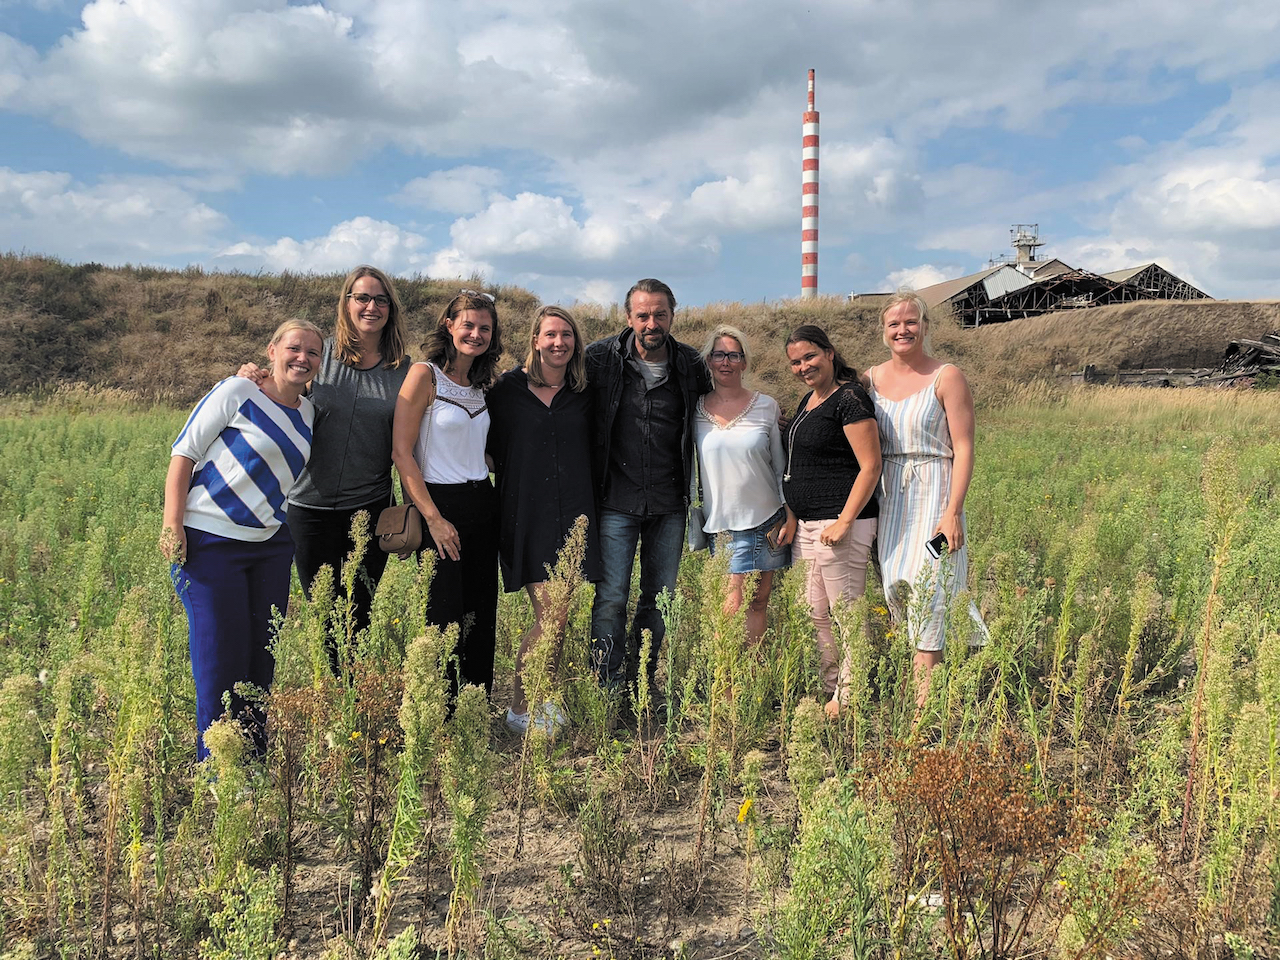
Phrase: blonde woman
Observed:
(925, 415)
(740, 463)
(233, 466)
(540, 442)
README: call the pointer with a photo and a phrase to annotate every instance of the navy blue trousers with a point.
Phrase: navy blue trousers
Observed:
(228, 588)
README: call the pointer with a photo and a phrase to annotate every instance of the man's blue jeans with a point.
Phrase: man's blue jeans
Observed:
(616, 654)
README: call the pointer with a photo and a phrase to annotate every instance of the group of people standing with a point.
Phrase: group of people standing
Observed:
(274, 464)
(882, 460)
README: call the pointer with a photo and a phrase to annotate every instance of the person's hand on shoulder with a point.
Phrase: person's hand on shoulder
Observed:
(251, 371)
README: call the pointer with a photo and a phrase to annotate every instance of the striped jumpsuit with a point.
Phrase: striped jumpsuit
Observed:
(915, 486)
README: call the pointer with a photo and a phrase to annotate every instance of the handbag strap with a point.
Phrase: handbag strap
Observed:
(695, 479)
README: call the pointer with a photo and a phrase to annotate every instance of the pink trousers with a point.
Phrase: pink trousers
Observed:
(836, 572)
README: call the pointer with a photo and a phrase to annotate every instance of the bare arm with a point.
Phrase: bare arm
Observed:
(956, 399)
(864, 441)
(177, 484)
(416, 394)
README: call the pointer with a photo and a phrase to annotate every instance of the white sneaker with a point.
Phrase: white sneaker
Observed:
(548, 718)
(517, 722)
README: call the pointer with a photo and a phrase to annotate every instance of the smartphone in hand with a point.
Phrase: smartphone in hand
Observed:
(935, 546)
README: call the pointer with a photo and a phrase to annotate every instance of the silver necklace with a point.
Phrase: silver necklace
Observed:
(795, 424)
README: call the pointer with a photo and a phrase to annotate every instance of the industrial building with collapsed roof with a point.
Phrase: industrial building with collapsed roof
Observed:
(1019, 285)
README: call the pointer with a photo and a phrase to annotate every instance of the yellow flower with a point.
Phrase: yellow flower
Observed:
(744, 810)
(355, 735)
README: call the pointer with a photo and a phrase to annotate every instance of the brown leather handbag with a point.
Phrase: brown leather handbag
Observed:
(399, 528)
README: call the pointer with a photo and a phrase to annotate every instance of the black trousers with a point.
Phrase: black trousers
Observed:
(324, 537)
(465, 591)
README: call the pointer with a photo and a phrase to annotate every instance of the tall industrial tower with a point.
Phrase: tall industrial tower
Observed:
(809, 202)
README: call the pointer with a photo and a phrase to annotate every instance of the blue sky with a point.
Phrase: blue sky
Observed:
(572, 146)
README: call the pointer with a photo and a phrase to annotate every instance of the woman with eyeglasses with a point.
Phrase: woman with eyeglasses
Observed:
(541, 447)
(740, 467)
(441, 431)
(354, 392)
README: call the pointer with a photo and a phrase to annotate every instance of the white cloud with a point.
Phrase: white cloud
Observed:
(452, 262)
(598, 293)
(1221, 197)
(463, 189)
(762, 195)
(17, 62)
(917, 278)
(116, 220)
(360, 240)
(541, 234)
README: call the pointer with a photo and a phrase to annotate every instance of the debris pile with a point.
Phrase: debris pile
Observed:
(1242, 361)
(1248, 358)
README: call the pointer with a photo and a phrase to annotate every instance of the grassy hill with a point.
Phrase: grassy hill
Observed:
(169, 334)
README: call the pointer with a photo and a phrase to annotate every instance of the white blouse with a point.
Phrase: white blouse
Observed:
(452, 437)
(741, 466)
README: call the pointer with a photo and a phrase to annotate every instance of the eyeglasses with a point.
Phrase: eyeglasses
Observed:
(733, 356)
(381, 299)
(478, 293)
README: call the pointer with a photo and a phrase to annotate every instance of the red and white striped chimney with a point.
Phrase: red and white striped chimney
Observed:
(809, 202)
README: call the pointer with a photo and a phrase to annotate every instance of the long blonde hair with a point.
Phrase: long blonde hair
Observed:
(576, 375)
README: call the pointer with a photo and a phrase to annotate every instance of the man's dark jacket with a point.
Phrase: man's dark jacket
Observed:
(606, 360)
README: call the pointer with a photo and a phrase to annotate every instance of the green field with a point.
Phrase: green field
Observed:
(1101, 779)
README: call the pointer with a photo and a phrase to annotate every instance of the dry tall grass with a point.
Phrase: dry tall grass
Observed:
(171, 333)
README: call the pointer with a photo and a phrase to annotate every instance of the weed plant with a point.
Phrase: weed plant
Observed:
(1125, 554)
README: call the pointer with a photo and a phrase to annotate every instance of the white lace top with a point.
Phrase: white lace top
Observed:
(741, 465)
(451, 440)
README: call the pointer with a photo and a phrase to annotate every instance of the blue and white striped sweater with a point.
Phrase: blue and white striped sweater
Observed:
(248, 452)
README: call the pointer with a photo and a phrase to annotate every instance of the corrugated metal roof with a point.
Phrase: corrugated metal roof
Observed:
(1005, 280)
(940, 292)
(1042, 269)
(1120, 276)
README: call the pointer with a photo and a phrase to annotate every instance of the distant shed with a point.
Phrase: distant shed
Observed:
(1007, 292)
(1158, 283)
(968, 297)
(1018, 285)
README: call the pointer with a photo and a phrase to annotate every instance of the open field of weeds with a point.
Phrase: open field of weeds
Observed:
(1100, 779)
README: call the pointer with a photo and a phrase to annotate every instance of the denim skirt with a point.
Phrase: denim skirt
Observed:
(749, 550)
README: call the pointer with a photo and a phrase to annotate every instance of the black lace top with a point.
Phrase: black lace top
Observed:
(821, 466)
